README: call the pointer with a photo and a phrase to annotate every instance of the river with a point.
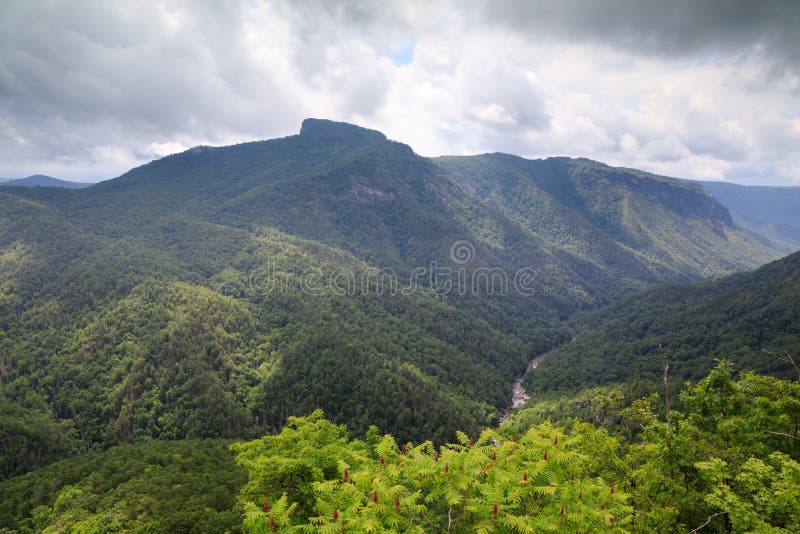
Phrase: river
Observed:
(519, 396)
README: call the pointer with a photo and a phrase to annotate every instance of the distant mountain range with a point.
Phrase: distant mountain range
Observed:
(40, 180)
(215, 292)
(773, 212)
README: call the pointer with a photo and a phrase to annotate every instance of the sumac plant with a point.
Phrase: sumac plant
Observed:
(487, 483)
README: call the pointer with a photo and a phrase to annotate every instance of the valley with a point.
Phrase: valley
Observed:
(519, 396)
(351, 267)
(207, 299)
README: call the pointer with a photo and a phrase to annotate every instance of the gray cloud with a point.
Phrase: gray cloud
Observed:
(692, 88)
(675, 27)
(79, 80)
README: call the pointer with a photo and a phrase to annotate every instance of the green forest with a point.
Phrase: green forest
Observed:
(180, 350)
(726, 460)
(752, 319)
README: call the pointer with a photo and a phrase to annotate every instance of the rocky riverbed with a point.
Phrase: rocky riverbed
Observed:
(519, 396)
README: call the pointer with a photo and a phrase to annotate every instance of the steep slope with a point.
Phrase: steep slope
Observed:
(618, 228)
(773, 212)
(736, 318)
(590, 232)
(334, 183)
(170, 335)
(158, 486)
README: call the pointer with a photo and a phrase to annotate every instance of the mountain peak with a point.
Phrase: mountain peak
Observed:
(327, 130)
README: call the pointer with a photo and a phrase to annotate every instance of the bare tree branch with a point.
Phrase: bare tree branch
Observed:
(712, 516)
(665, 363)
(787, 359)
(783, 434)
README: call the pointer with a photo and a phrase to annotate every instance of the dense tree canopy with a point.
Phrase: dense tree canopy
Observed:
(751, 319)
(729, 456)
(207, 298)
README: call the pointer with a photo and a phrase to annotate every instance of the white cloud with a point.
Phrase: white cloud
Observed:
(89, 90)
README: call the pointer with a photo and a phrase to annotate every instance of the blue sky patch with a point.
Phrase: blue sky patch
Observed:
(403, 56)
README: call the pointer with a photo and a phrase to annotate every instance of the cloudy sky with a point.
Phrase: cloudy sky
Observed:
(706, 89)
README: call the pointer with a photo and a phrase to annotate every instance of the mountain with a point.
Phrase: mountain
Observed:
(589, 231)
(40, 180)
(773, 212)
(216, 292)
(618, 228)
(171, 334)
(736, 318)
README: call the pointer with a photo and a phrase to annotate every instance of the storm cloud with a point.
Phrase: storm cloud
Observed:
(674, 28)
(703, 89)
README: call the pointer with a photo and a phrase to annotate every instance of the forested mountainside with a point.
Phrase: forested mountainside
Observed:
(738, 318)
(121, 341)
(620, 227)
(351, 188)
(214, 293)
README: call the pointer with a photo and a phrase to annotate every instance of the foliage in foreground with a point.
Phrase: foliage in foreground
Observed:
(730, 459)
(542, 480)
(727, 460)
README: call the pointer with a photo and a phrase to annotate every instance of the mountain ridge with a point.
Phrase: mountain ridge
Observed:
(205, 294)
(41, 180)
(368, 170)
(609, 214)
(773, 212)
